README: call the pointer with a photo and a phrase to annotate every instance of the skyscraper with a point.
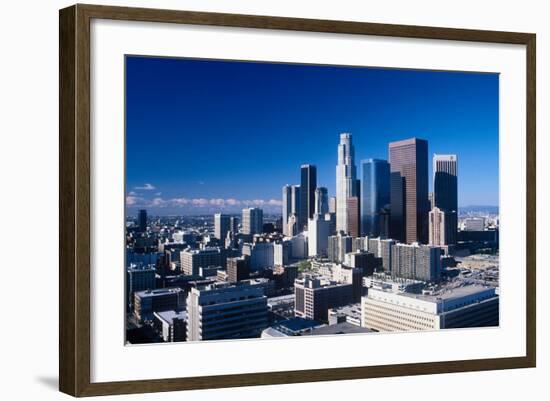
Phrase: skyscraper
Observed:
(445, 194)
(321, 201)
(354, 224)
(222, 224)
(253, 220)
(287, 207)
(142, 220)
(308, 174)
(345, 180)
(409, 190)
(375, 196)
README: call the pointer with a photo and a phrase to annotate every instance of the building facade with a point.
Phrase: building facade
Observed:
(375, 197)
(308, 184)
(252, 221)
(222, 225)
(226, 311)
(409, 190)
(346, 177)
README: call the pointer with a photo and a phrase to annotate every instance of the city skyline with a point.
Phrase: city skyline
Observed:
(219, 180)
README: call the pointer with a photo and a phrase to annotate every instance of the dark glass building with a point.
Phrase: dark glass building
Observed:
(375, 197)
(308, 184)
(142, 220)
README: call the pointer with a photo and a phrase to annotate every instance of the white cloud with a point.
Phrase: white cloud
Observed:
(213, 203)
(146, 187)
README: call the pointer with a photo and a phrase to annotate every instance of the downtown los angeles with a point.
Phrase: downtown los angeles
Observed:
(381, 254)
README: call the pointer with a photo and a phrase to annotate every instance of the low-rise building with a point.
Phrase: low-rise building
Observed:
(450, 307)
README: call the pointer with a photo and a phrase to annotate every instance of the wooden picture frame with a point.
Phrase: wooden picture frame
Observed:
(74, 199)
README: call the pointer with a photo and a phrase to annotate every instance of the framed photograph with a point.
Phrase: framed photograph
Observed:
(250, 200)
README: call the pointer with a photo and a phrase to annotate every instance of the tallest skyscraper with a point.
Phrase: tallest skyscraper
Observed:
(346, 186)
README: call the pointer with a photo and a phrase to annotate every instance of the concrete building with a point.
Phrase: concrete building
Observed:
(419, 262)
(346, 177)
(409, 190)
(193, 259)
(222, 225)
(386, 282)
(318, 233)
(261, 254)
(308, 184)
(252, 221)
(282, 252)
(139, 278)
(160, 300)
(234, 225)
(464, 306)
(385, 253)
(348, 313)
(171, 325)
(338, 246)
(226, 311)
(314, 296)
(443, 227)
(375, 197)
(332, 204)
(473, 224)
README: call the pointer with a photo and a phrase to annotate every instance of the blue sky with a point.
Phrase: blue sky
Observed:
(204, 136)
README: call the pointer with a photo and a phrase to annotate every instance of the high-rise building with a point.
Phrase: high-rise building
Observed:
(445, 193)
(142, 220)
(226, 311)
(253, 220)
(416, 261)
(332, 204)
(345, 181)
(318, 233)
(234, 224)
(443, 227)
(375, 197)
(354, 225)
(321, 201)
(308, 184)
(287, 207)
(222, 224)
(409, 190)
(445, 174)
(238, 268)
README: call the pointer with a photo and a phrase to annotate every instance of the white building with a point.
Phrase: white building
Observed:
(473, 224)
(318, 233)
(261, 254)
(222, 225)
(345, 181)
(463, 306)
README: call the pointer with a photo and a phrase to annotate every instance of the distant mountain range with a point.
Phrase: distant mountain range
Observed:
(478, 209)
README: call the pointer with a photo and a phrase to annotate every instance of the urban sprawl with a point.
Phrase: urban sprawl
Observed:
(384, 254)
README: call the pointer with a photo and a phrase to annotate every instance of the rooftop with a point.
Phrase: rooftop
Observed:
(340, 328)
